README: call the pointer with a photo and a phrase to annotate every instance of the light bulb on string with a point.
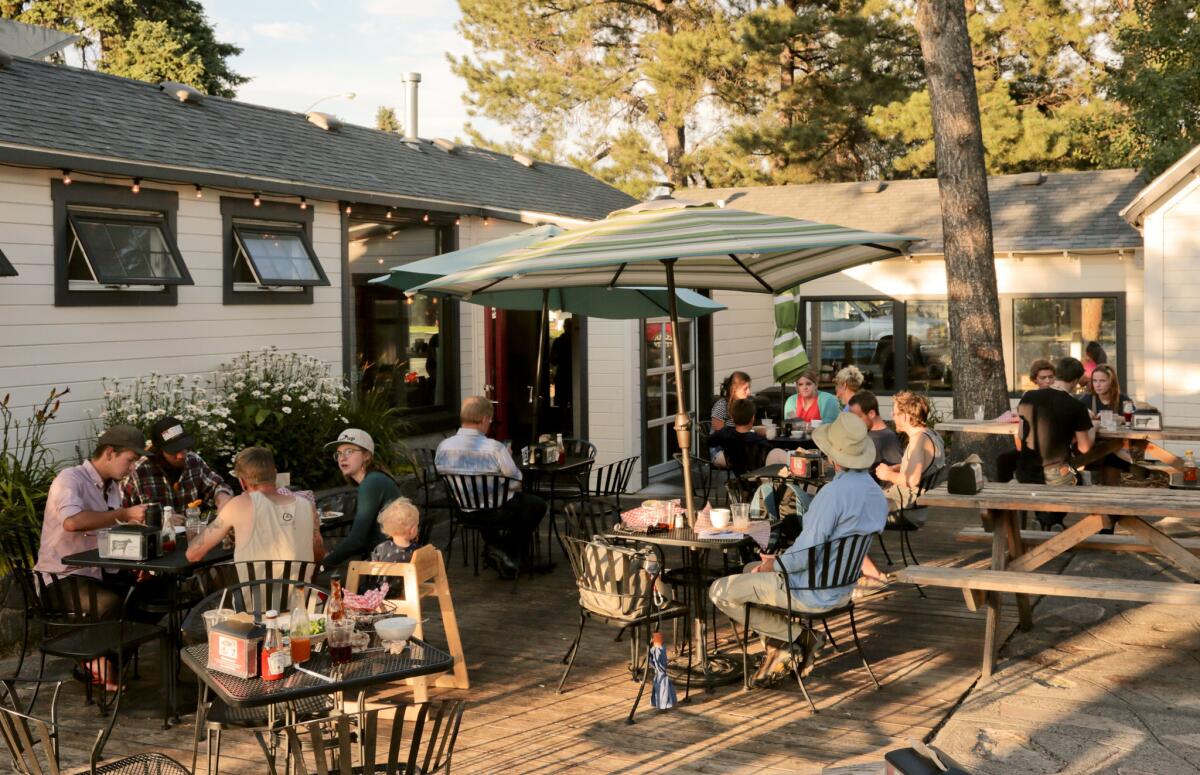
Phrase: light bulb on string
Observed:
(137, 186)
(199, 192)
(257, 199)
(303, 203)
(66, 178)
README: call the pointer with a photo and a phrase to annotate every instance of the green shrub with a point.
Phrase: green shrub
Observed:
(26, 465)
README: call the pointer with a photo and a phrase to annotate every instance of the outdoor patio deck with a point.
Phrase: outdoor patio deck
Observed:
(925, 652)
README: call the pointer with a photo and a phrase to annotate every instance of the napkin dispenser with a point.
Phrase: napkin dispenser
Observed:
(805, 464)
(233, 647)
(1147, 420)
(129, 542)
(965, 478)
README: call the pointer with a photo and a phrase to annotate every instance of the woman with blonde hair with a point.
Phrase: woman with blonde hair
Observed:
(925, 451)
(847, 382)
(809, 403)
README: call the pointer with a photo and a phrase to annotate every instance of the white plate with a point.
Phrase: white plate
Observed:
(328, 515)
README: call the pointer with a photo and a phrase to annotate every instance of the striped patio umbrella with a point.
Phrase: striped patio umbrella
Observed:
(788, 358)
(672, 243)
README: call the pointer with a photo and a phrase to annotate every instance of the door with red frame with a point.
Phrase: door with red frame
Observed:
(510, 360)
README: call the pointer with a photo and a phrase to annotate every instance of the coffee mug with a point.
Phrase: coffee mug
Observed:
(815, 424)
(719, 518)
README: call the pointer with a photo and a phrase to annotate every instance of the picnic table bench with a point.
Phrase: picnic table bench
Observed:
(1016, 554)
(1123, 437)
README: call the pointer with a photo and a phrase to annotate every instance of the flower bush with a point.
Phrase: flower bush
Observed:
(287, 402)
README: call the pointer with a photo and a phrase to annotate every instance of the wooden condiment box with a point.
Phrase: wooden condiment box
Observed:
(233, 647)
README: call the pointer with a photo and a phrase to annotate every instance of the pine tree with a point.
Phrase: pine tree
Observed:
(386, 121)
(150, 40)
(618, 87)
(1159, 83)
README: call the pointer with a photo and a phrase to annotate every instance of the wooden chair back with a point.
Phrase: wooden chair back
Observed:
(333, 748)
(425, 576)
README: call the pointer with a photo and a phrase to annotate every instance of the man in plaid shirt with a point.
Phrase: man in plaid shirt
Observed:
(174, 475)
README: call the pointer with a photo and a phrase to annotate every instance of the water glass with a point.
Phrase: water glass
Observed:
(741, 515)
(195, 526)
(215, 617)
(1108, 419)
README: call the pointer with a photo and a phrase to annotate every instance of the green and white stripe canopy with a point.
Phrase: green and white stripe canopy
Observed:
(714, 248)
(788, 358)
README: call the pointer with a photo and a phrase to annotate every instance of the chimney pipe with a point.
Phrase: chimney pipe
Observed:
(411, 80)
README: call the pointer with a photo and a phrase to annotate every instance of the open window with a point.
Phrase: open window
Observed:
(6, 269)
(112, 251)
(274, 256)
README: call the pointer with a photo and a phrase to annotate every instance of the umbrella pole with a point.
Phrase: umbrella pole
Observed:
(541, 360)
(683, 422)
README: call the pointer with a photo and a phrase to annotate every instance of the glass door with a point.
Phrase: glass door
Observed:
(658, 381)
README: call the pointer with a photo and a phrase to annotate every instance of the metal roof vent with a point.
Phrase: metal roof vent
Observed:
(326, 121)
(5, 59)
(522, 159)
(182, 92)
(1031, 179)
(872, 186)
(446, 145)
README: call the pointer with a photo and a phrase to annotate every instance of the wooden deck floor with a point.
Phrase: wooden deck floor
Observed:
(926, 653)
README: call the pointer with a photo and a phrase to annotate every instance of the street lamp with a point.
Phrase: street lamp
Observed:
(348, 95)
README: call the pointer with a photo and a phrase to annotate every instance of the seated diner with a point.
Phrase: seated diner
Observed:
(738, 447)
(735, 386)
(810, 404)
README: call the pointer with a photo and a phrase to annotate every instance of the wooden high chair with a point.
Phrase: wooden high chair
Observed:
(425, 576)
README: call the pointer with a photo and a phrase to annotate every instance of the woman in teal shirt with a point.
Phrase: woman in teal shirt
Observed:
(354, 452)
(809, 403)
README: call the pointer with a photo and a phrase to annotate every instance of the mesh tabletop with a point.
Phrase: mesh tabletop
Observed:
(362, 671)
(680, 536)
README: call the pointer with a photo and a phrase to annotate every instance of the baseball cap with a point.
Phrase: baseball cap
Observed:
(125, 436)
(358, 438)
(168, 435)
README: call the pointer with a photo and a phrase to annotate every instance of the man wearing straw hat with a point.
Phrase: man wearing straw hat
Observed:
(850, 504)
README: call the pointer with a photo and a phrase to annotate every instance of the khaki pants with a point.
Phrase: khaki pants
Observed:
(731, 593)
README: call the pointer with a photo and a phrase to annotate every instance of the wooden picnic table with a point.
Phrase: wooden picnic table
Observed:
(1001, 504)
(1107, 441)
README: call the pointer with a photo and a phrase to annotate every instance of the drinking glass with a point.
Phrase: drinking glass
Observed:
(215, 617)
(741, 515)
(195, 526)
(337, 638)
(1127, 411)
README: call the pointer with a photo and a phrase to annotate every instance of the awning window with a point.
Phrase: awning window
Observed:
(270, 256)
(6, 269)
(123, 250)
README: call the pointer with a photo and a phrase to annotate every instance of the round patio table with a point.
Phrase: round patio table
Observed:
(713, 669)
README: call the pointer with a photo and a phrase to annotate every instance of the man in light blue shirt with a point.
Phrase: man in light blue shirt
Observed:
(470, 451)
(852, 504)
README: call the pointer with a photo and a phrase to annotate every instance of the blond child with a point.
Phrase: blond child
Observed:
(401, 521)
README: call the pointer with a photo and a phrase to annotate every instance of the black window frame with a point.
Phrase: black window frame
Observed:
(262, 228)
(76, 216)
(101, 197)
(6, 267)
(273, 214)
(1121, 325)
(900, 330)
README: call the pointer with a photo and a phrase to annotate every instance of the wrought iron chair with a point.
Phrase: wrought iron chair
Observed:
(477, 502)
(585, 519)
(18, 553)
(908, 519)
(617, 586)
(334, 743)
(34, 744)
(422, 461)
(703, 476)
(69, 611)
(343, 499)
(253, 597)
(608, 483)
(836, 564)
(216, 578)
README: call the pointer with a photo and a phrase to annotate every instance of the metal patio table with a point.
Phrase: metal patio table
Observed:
(715, 669)
(173, 565)
(540, 473)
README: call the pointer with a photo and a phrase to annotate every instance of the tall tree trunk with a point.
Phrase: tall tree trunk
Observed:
(976, 349)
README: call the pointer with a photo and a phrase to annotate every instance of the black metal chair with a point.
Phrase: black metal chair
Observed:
(585, 519)
(617, 586)
(908, 519)
(343, 499)
(253, 597)
(833, 565)
(34, 743)
(422, 461)
(69, 610)
(18, 553)
(703, 476)
(333, 744)
(609, 482)
(477, 503)
(216, 578)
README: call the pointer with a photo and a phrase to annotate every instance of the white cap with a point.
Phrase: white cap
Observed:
(355, 436)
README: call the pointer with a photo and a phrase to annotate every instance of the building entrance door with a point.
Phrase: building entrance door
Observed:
(510, 359)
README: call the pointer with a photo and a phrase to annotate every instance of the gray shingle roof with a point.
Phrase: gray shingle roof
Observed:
(79, 112)
(1069, 210)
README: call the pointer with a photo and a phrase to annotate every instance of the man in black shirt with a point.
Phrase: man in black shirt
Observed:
(741, 448)
(1051, 421)
(864, 404)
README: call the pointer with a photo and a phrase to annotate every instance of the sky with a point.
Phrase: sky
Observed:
(298, 51)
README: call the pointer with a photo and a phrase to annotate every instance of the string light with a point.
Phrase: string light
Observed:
(486, 221)
(389, 215)
(303, 203)
(458, 221)
(66, 178)
(257, 199)
(199, 192)
(348, 209)
(425, 217)
(137, 186)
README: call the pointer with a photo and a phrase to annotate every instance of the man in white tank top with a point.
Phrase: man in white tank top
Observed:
(265, 524)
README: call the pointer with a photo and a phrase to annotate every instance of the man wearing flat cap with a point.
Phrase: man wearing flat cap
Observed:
(172, 474)
(851, 504)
